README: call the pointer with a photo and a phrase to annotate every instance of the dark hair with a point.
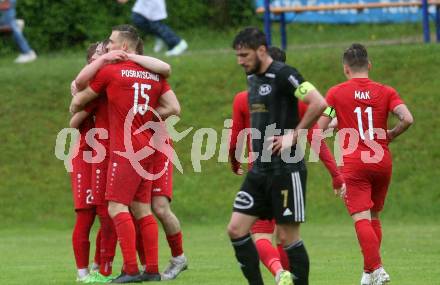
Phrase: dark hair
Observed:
(250, 37)
(140, 47)
(105, 44)
(277, 54)
(129, 34)
(91, 50)
(356, 57)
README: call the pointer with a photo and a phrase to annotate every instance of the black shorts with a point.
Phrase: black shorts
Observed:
(268, 196)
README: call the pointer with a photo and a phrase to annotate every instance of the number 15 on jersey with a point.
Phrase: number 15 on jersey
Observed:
(141, 108)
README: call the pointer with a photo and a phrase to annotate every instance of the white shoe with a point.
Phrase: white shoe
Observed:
(366, 278)
(81, 279)
(379, 277)
(26, 57)
(177, 265)
(178, 49)
(159, 44)
(284, 277)
(20, 24)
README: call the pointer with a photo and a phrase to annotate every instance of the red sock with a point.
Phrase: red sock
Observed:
(377, 227)
(108, 241)
(97, 258)
(140, 245)
(80, 237)
(283, 257)
(175, 243)
(269, 255)
(127, 241)
(369, 245)
(150, 239)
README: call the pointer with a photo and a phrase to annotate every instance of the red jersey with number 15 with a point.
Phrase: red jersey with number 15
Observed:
(132, 91)
(362, 106)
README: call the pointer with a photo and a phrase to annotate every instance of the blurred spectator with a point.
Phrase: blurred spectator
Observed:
(7, 18)
(148, 15)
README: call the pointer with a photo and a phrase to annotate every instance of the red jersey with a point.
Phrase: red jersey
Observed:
(362, 106)
(99, 109)
(131, 93)
(241, 120)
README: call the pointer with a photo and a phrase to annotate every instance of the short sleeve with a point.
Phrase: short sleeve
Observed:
(165, 86)
(101, 80)
(394, 99)
(296, 82)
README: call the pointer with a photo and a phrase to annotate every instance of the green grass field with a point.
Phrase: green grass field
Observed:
(44, 255)
(36, 213)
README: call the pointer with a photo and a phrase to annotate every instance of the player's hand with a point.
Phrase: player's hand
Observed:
(122, 1)
(390, 135)
(281, 143)
(74, 107)
(73, 89)
(341, 191)
(338, 181)
(114, 56)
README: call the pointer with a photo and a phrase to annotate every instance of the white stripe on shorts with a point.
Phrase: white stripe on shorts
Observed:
(298, 197)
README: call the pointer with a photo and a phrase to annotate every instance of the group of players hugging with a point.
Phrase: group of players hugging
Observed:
(115, 94)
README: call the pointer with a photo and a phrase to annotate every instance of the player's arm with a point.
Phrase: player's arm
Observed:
(405, 121)
(151, 63)
(78, 118)
(81, 99)
(327, 118)
(90, 70)
(316, 104)
(333, 123)
(168, 105)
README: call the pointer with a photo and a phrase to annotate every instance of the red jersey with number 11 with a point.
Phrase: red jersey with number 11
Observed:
(362, 107)
(132, 91)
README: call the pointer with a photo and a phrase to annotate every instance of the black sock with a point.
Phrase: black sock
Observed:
(299, 262)
(247, 256)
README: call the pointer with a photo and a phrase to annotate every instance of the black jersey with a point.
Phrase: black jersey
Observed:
(272, 101)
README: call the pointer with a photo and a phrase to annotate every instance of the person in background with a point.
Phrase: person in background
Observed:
(7, 18)
(148, 16)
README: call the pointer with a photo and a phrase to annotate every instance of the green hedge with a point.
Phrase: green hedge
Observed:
(58, 24)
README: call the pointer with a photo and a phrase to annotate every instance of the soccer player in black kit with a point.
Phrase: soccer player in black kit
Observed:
(275, 186)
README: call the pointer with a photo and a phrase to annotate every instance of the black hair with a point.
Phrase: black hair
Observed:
(356, 57)
(277, 54)
(250, 37)
(91, 50)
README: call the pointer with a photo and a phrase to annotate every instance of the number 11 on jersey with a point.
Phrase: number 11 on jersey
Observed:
(141, 108)
(369, 111)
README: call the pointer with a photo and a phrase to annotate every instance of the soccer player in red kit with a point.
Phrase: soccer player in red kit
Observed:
(361, 107)
(132, 91)
(82, 187)
(263, 230)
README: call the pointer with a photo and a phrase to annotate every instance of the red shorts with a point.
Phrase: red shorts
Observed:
(367, 187)
(99, 182)
(263, 227)
(124, 184)
(162, 186)
(81, 183)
